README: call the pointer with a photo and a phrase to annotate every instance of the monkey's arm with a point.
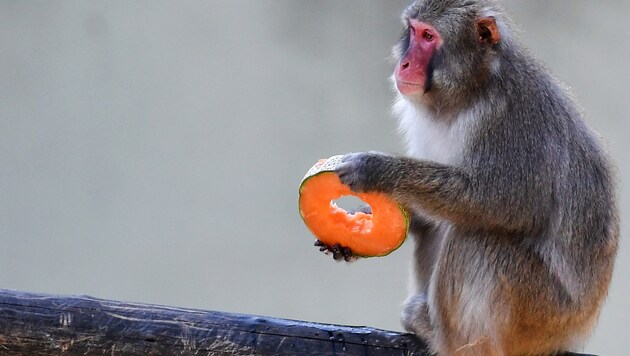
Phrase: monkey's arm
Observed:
(476, 199)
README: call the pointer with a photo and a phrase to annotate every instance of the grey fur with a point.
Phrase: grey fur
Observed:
(517, 235)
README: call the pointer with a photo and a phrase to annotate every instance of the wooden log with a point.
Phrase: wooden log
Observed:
(42, 324)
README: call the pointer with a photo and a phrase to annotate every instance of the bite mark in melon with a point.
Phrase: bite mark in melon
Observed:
(367, 235)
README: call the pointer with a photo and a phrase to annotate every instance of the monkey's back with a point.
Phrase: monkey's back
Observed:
(549, 264)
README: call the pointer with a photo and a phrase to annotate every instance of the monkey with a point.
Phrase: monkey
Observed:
(512, 196)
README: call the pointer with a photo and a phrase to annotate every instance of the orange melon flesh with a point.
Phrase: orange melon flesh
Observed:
(367, 235)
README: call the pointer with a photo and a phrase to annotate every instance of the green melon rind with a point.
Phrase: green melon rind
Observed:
(329, 166)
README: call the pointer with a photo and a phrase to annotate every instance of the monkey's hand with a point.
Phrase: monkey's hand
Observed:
(366, 171)
(339, 252)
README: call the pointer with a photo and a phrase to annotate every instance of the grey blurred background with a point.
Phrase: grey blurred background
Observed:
(151, 150)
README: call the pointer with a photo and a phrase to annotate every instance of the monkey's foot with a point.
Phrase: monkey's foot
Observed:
(339, 252)
(415, 316)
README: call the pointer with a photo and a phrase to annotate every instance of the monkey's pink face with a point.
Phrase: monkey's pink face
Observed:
(413, 72)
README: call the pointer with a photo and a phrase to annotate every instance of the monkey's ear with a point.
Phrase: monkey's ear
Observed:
(488, 31)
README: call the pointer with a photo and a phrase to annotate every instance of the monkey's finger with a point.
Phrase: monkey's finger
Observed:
(337, 252)
(349, 157)
(348, 175)
(322, 246)
(347, 254)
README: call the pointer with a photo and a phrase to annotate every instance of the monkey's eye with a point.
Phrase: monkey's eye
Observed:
(428, 36)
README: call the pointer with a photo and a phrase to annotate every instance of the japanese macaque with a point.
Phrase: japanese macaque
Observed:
(513, 200)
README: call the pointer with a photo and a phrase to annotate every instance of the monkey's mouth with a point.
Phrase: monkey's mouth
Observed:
(408, 88)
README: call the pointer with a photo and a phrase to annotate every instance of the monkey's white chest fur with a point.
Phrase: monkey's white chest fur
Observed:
(429, 137)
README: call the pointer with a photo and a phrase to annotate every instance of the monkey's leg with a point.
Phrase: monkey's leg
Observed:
(428, 238)
(416, 319)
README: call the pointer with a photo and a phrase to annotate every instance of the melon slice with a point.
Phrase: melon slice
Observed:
(367, 235)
